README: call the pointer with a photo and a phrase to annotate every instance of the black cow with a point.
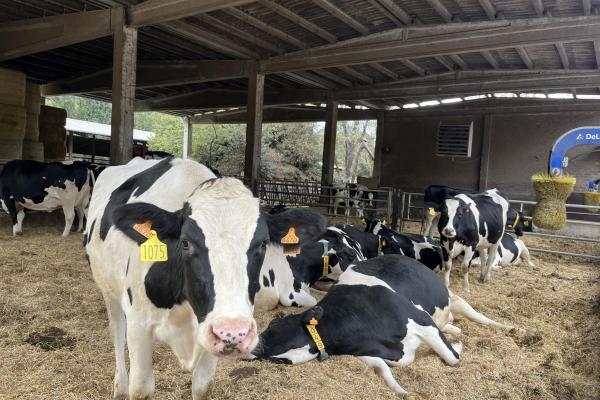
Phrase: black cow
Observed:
(470, 222)
(419, 247)
(34, 185)
(381, 310)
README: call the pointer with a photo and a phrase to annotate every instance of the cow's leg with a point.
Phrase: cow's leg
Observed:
(459, 307)
(525, 256)
(466, 262)
(80, 216)
(382, 369)
(447, 266)
(20, 218)
(451, 329)
(435, 339)
(11, 207)
(118, 328)
(140, 344)
(427, 222)
(487, 262)
(203, 374)
(69, 212)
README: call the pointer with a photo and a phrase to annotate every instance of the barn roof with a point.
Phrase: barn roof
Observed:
(375, 53)
(81, 126)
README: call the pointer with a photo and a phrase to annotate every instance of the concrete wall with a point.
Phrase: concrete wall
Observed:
(519, 145)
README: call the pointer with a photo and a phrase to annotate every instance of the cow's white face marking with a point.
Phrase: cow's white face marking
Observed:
(451, 206)
(298, 355)
(352, 277)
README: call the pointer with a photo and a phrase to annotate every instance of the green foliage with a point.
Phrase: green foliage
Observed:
(81, 108)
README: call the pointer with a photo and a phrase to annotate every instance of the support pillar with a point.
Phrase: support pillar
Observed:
(331, 114)
(187, 137)
(486, 143)
(256, 86)
(123, 90)
(378, 146)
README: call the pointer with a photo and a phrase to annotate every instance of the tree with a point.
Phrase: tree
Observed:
(355, 142)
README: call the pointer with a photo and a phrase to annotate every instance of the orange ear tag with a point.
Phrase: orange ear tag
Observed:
(291, 242)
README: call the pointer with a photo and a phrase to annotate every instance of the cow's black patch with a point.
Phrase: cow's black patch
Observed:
(256, 255)
(130, 296)
(291, 296)
(127, 268)
(294, 304)
(272, 277)
(265, 281)
(509, 243)
(135, 185)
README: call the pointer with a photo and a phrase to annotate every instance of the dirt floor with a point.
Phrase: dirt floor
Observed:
(54, 341)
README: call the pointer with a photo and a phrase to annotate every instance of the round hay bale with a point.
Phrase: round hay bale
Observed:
(52, 117)
(12, 122)
(10, 150)
(33, 150)
(591, 199)
(32, 130)
(552, 192)
(33, 98)
(12, 87)
(55, 151)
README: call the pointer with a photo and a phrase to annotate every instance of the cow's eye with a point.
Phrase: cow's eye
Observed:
(185, 244)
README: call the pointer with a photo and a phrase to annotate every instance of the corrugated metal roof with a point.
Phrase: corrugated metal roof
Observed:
(81, 126)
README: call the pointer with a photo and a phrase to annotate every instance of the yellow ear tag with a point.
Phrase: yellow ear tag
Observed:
(526, 223)
(290, 237)
(431, 211)
(153, 249)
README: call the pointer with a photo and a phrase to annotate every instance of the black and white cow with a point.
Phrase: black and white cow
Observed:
(381, 311)
(471, 222)
(200, 300)
(352, 196)
(34, 185)
(511, 251)
(421, 248)
(286, 278)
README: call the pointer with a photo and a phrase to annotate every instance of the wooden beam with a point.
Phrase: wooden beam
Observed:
(310, 79)
(430, 41)
(414, 67)
(379, 138)
(284, 114)
(123, 92)
(596, 44)
(440, 9)
(524, 57)
(383, 70)
(587, 7)
(474, 82)
(444, 62)
(538, 6)
(489, 57)
(333, 77)
(342, 16)
(252, 158)
(152, 12)
(459, 61)
(356, 74)
(268, 29)
(154, 74)
(488, 8)
(35, 35)
(486, 148)
(209, 39)
(297, 19)
(329, 141)
(396, 11)
(562, 53)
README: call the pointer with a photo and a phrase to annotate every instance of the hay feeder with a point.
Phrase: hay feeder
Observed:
(552, 192)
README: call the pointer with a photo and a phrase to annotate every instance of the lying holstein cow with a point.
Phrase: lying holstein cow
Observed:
(434, 201)
(381, 311)
(286, 278)
(34, 185)
(471, 222)
(510, 252)
(197, 294)
(421, 248)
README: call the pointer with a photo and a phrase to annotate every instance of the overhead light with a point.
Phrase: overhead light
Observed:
(429, 103)
(560, 96)
(505, 95)
(452, 100)
(588, 96)
(533, 95)
(394, 108)
(476, 97)
(411, 105)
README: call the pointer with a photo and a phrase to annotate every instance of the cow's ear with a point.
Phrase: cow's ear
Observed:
(314, 313)
(166, 224)
(308, 225)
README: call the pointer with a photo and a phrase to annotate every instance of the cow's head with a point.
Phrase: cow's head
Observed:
(457, 219)
(516, 220)
(286, 339)
(216, 246)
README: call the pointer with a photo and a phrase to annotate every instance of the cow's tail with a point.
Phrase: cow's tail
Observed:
(459, 307)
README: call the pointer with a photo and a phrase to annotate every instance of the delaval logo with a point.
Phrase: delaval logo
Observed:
(588, 136)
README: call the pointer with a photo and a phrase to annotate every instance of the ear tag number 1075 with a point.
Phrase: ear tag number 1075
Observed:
(153, 249)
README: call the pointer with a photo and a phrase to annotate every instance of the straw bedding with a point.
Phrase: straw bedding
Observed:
(54, 341)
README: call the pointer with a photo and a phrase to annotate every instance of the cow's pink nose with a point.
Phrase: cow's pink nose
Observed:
(234, 336)
(449, 232)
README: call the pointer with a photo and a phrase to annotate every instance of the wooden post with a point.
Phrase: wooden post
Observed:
(187, 137)
(486, 142)
(123, 90)
(70, 145)
(256, 85)
(378, 145)
(331, 114)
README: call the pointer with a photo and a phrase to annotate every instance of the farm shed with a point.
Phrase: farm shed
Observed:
(254, 61)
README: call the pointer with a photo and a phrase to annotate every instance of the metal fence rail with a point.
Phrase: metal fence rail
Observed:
(411, 210)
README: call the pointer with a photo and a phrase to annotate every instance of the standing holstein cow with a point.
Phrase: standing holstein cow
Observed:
(34, 185)
(200, 299)
(471, 222)
(381, 311)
